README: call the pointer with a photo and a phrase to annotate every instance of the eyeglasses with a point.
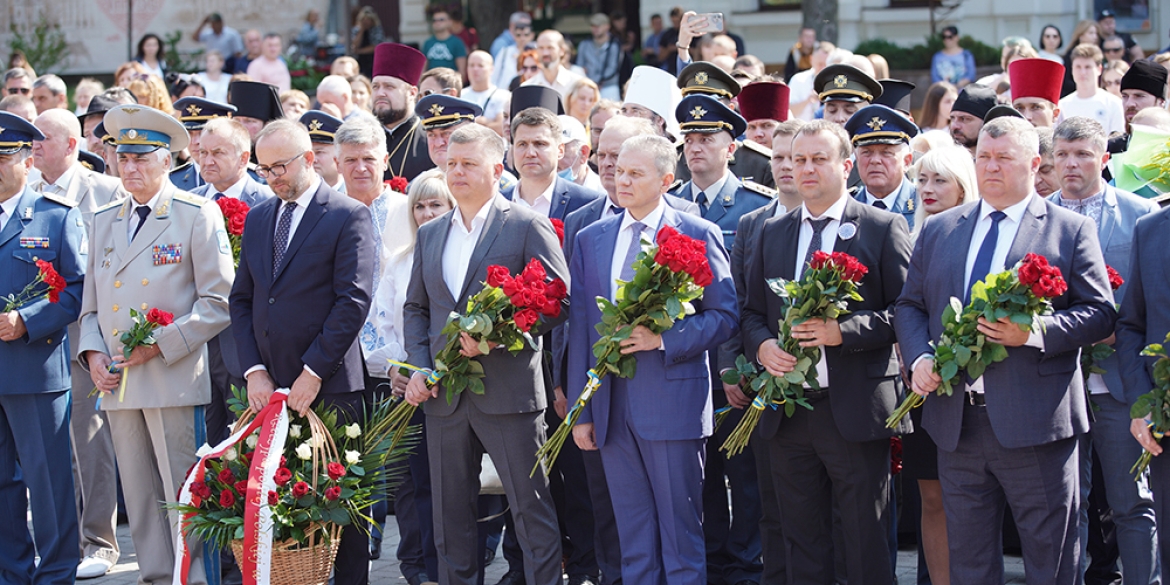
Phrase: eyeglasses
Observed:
(277, 170)
(16, 90)
(948, 37)
(530, 68)
(1114, 49)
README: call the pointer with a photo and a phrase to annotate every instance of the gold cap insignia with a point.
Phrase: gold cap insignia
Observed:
(194, 110)
(315, 125)
(131, 134)
(840, 81)
(1, 130)
(436, 109)
(698, 113)
(876, 124)
(131, 110)
(701, 78)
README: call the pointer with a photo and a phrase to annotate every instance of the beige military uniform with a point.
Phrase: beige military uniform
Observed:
(179, 262)
(94, 477)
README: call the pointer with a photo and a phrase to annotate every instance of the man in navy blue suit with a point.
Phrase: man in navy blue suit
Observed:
(302, 293)
(35, 400)
(536, 149)
(651, 429)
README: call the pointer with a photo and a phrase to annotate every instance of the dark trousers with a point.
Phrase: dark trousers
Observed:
(775, 570)
(731, 528)
(219, 418)
(570, 491)
(1160, 485)
(413, 512)
(607, 545)
(1040, 483)
(353, 553)
(813, 468)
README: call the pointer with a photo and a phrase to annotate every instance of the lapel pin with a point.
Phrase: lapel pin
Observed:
(28, 213)
(847, 231)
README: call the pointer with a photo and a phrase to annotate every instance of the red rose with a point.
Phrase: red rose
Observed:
(336, 470)
(1029, 273)
(525, 319)
(159, 317)
(227, 499)
(242, 487)
(551, 308)
(235, 224)
(1115, 279)
(497, 276)
(559, 227)
(273, 499)
(704, 278)
(299, 489)
(333, 493)
(200, 489)
(512, 286)
(225, 476)
(556, 289)
(819, 259)
(282, 475)
(283, 461)
(534, 272)
(665, 234)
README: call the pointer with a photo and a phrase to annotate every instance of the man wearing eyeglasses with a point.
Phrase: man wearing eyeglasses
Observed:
(18, 81)
(1114, 49)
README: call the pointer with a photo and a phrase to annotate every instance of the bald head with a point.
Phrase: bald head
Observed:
(59, 119)
(58, 151)
(335, 90)
(1155, 117)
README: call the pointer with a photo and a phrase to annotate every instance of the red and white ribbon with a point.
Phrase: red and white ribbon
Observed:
(272, 421)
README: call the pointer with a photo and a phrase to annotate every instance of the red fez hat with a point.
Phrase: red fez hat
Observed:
(1036, 78)
(395, 60)
(765, 100)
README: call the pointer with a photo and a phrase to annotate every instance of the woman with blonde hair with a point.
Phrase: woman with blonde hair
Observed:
(127, 72)
(946, 179)
(294, 102)
(580, 98)
(151, 91)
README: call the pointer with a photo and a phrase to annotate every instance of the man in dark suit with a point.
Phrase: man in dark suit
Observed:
(302, 293)
(536, 149)
(1008, 437)
(651, 428)
(506, 421)
(838, 452)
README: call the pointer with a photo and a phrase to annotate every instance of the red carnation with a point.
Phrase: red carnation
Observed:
(497, 276)
(159, 317)
(227, 499)
(398, 184)
(299, 489)
(225, 476)
(282, 475)
(525, 319)
(273, 499)
(333, 493)
(1115, 279)
(336, 470)
(54, 280)
(242, 487)
(559, 226)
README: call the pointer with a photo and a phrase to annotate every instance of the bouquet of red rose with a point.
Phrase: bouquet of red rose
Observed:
(1093, 355)
(503, 312)
(234, 214)
(559, 227)
(823, 292)
(1020, 294)
(46, 275)
(667, 278)
(142, 333)
(1155, 404)
(398, 184)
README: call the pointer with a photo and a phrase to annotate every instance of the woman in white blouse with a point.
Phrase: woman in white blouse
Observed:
(427, 198)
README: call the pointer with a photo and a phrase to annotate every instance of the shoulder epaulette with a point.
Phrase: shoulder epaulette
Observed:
(673, 188)
(181, 167)
(748, 144)
(764, 190)
(111, 205)
(189, 198)
(58, 199)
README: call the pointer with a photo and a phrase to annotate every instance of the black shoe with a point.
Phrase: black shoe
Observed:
(582, 580)
(746, 582)
(488, 557)
(512, 577)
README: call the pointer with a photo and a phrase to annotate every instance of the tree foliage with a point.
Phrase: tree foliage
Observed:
(43, 45)
(918, 56)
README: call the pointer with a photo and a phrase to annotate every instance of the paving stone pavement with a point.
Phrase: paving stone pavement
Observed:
(384, 571)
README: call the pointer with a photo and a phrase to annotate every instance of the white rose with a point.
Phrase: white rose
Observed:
(304, 451)
(317, 441)
(352, 457)
(294, 431)
(230, 454)
(251, 441)
(353, 431)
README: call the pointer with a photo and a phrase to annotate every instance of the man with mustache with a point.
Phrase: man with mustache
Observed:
(397, 69)
(1143, 86)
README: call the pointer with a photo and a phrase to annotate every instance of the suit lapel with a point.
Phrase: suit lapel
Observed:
(154, 226)
(1030, 225)
(958, 242)
(850, 215)
(560, 199)
(313, 214)
(605, 246)
(781, 236)
(15, 224)
(492, 226)
(1110, 216)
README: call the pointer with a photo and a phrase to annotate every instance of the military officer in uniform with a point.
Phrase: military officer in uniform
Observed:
(881, 137)
(751, 161)
(397, 69)
(844, 89)
(194, 112)
(91, 162)
(167, 249)
(896, 95)
(322, 127)
(34, 355)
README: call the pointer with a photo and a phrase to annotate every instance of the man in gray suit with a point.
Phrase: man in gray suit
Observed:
(94, 476)
(507, 420)
(1079, 154)
(1008, 437)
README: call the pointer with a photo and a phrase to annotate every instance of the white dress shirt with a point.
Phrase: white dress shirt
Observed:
(625, 233)
(235, 192)
(828, 240)
(303, 200)
(543, 202)
(460, 245)
(712, 191)
(61, 185)
(8, 209)
(889, 200)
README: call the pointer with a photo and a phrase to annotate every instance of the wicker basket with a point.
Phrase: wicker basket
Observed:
(293, 563)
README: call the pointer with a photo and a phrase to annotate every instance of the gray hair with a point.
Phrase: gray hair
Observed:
(16, 73)
(1045, 135)
(1018, 129)
(232, 130)
(631, 126)
(845, 150)
(54, 84)
(490, 143)
(290, 130)
(335, 84)
(361, 129)
(1081, 128)
(661, 151)
(1153, 116)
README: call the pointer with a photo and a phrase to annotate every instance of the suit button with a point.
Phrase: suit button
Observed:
(50, 342)
(114, 333)
(145, 282)
(272, 301)
(144, 306)
(115, 308)
(117, 284)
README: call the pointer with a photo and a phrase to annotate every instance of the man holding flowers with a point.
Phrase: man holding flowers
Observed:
(507, 420)
(651, 429)
(841, 441)
(38, 234)
(1009, 436)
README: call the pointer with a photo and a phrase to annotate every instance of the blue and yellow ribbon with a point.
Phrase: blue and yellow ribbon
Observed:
(433, 376)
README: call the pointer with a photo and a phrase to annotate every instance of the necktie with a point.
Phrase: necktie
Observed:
(143, 211)
(701, 199)
(217, 196)
(814, 245)
(282, 232)
(986, 250)
(627, 273)
(878, 203)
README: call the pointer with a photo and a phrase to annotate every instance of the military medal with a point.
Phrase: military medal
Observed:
(167, 254)
(34, 242)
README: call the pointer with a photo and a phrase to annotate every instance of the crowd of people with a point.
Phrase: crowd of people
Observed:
(378, 202)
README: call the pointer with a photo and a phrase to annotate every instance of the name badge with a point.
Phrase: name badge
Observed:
(34, 242)
(167, 254)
